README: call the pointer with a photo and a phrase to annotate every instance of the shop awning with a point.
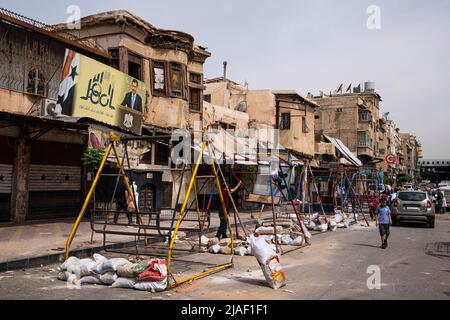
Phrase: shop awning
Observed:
(345, 151)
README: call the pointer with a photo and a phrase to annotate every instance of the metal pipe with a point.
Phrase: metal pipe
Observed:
(86, 201)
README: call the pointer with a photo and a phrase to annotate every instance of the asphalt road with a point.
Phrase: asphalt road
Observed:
(415, 266)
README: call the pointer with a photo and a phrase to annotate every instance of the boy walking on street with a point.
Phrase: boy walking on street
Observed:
(383, 220)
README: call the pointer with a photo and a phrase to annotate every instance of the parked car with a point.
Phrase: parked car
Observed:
(413, 206)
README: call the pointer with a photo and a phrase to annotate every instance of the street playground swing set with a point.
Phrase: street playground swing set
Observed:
(156, 229)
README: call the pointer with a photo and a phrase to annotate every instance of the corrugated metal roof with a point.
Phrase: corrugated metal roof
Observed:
(345, 151)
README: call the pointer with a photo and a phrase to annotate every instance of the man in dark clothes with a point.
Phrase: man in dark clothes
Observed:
(132, 99)
(122, 202)
(222, 231)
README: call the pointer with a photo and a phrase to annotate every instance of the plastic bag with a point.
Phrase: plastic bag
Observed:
(122, 282)
(338, 217)
(156, 271)
(151, 286)
(112, 264)
(214, 249)
(299, 241)
(241, 251)
(108, 278)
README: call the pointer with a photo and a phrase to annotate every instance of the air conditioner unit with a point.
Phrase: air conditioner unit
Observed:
(49, 109)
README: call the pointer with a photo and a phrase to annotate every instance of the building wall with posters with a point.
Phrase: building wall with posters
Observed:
(167, 61)
(170, 65)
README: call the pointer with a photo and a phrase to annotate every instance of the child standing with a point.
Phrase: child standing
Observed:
(383, 220)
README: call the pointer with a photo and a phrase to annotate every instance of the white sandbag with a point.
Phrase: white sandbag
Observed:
(283, 239)
(332, 225)
(240, 251)
(338, 218)
(261, 249)
(73, 279)
(214, 249)
(273, 272)
(341, 225)
(151, 286)
(268, 230)
(112, 264)
(64, 275)
(99, 258)
(299, 241)
(249, 251)
(108, 278)
(94, 279)
(87, 267)
(123, 282)
(69, 262)
(126, 270)
(204, 240)
(311, 225)
(322, 227)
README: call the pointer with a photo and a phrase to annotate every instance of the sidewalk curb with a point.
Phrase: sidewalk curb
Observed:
(46, 259)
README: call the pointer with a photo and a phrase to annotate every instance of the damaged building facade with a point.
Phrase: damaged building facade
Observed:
(171, 66)
(41, 172)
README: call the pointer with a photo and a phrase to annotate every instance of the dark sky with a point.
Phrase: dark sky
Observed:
(309, 46)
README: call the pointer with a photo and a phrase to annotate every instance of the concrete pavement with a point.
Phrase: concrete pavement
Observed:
(334, 267)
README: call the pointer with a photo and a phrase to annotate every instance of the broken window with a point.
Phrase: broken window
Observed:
(167, 194)
(161, 153)
(176, 80)
(195, 91)
(135, 66)
(195, 99)
(115, 60)
(304, 126)
(159, 77)
(285, 123)
(36, 82)
(365, 116)
(207, 98)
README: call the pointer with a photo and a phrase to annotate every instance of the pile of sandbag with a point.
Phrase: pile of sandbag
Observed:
(148, 274)
(223, 246)
(269, 262)
(322, 224)
(287, 234)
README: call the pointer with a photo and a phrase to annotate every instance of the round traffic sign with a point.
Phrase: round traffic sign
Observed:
(391, 159)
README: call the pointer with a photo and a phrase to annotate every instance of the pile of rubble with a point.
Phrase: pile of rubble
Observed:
(323, 223)
(140, 273)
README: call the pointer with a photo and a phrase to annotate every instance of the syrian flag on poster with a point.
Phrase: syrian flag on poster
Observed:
(69, 79)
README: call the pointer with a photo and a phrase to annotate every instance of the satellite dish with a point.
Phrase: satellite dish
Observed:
(242, 106)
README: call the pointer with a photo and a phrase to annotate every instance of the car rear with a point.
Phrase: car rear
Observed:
(413, 206)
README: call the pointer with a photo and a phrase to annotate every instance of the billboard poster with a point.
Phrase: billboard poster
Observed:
(95, 90)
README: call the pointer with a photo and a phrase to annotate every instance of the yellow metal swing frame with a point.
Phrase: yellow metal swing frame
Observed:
(174, 282)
